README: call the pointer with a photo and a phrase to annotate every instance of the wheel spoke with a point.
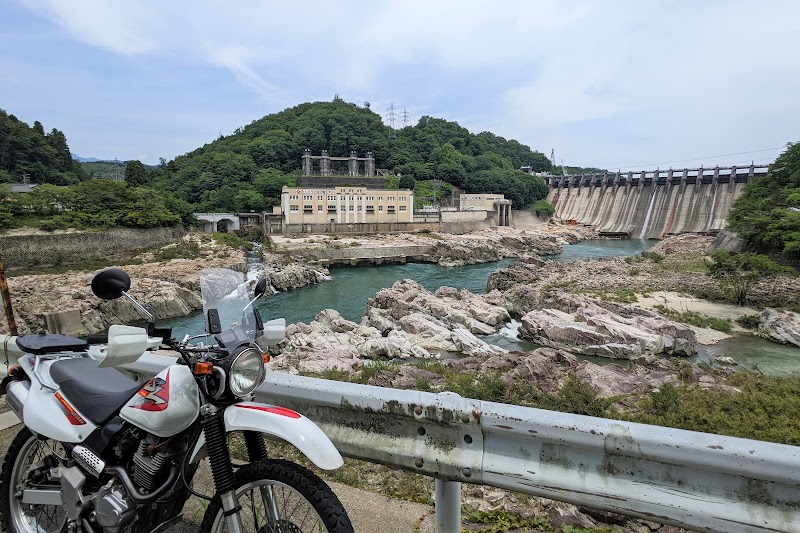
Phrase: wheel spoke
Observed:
(31, 459)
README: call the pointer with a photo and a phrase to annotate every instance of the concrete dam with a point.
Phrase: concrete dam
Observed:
(651, 204)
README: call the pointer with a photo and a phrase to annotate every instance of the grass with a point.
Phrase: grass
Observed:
(691, 263)
(182, 250)
(695, 319)
(625, 296)
(749, 321)
(764, 410)
(232, 241)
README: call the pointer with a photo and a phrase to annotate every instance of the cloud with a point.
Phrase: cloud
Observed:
(619, 81)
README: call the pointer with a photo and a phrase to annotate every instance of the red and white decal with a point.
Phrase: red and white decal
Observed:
(154, 395)
(270, 409)
(72, 415)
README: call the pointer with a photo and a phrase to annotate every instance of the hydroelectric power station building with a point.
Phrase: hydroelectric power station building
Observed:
(346, 205)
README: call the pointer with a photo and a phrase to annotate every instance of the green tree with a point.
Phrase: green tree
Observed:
(48, 200)
(148, 210)
(406, 182)
(136, 174)
(737, 273)
(767, 214)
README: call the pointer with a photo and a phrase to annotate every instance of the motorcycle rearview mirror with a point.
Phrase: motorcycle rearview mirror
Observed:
(259, 291)
(111, 284)
(114, 283)
(261, 288)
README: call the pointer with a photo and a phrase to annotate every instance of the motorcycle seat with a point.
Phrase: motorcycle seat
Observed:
(44, 343)
(98, 393)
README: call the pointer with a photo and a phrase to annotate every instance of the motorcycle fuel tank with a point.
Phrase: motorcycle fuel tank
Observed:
(167, 404)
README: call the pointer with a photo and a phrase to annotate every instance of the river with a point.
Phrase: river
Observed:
(349, 288)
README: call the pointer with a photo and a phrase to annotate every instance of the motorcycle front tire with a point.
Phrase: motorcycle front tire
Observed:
(302, 501)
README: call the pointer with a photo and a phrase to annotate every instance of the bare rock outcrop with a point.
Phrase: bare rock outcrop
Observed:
(596, 331)
(780, 326)
(445, 321)
(294, 275)
(549, 368)
(35, 296)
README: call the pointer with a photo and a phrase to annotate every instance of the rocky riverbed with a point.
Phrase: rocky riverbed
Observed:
(481, 246)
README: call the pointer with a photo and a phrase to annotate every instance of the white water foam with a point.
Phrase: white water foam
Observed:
(649, 212)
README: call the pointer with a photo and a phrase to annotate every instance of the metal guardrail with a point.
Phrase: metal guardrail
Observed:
(684, 478)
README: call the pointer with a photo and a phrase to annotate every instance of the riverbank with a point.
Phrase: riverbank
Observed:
(166, 279)
(480, 246)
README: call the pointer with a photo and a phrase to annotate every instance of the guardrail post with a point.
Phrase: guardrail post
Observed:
(448, 506)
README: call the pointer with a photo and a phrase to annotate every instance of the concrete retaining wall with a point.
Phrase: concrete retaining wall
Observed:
(465, 216)
(63, 249)
(456, 227)
(377, 255)
(648, 211)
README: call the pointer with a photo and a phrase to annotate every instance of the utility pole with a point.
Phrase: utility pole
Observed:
(5, 298)
(553, 156)
(391, 115)
(405, 117)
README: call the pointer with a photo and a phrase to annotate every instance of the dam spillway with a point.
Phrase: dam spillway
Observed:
(651, 204)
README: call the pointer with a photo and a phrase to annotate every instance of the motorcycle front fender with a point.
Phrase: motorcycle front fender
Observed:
(279, 423)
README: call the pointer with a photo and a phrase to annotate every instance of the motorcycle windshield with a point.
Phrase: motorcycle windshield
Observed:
(226, 297)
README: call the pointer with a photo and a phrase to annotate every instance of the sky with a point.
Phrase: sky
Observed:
(615, 84)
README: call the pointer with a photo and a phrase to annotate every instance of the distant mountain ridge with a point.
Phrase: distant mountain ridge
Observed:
(80, 159)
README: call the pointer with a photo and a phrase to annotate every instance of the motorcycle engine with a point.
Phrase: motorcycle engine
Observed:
(152, 459)
(112, 507)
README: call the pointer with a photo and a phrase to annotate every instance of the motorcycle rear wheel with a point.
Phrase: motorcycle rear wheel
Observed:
(19, 469)
(304, 503)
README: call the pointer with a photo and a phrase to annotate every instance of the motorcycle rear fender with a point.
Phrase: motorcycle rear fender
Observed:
(279, 423)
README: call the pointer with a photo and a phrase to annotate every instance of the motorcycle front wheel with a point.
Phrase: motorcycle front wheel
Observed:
(278, 496)
(28, 463)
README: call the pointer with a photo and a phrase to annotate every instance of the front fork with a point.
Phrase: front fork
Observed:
(219, 456)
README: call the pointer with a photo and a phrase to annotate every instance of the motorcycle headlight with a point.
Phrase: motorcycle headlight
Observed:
(246, 372)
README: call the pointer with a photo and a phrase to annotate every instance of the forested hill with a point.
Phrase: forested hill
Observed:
(767, 214)
(29, 152)
(245, 171)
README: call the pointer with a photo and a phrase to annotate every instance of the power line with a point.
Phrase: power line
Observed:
(650, 165)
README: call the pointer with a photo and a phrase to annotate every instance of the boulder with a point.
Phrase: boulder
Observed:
(780, 326)
(595, 331)
(294, 276)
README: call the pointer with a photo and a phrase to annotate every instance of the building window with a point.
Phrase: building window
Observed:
(390, 209)
(319, 198)
(308, 197)
(402, 199)
(402, 208)
(293, 208)
(380, 208)
(319, 208)
(380, 198)
(293, 197)
(390, 198)
(308, 208)
(351, 208)
(370, 198)
(331, 198)
(370, 208)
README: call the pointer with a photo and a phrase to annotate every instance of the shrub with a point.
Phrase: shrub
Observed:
(655, 257)
(749, 321)
(232, 241)
(543, 209)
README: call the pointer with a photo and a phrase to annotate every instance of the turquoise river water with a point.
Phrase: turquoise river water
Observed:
(349, 288)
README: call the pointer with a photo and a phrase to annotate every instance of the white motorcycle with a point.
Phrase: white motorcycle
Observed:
(102, 452)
